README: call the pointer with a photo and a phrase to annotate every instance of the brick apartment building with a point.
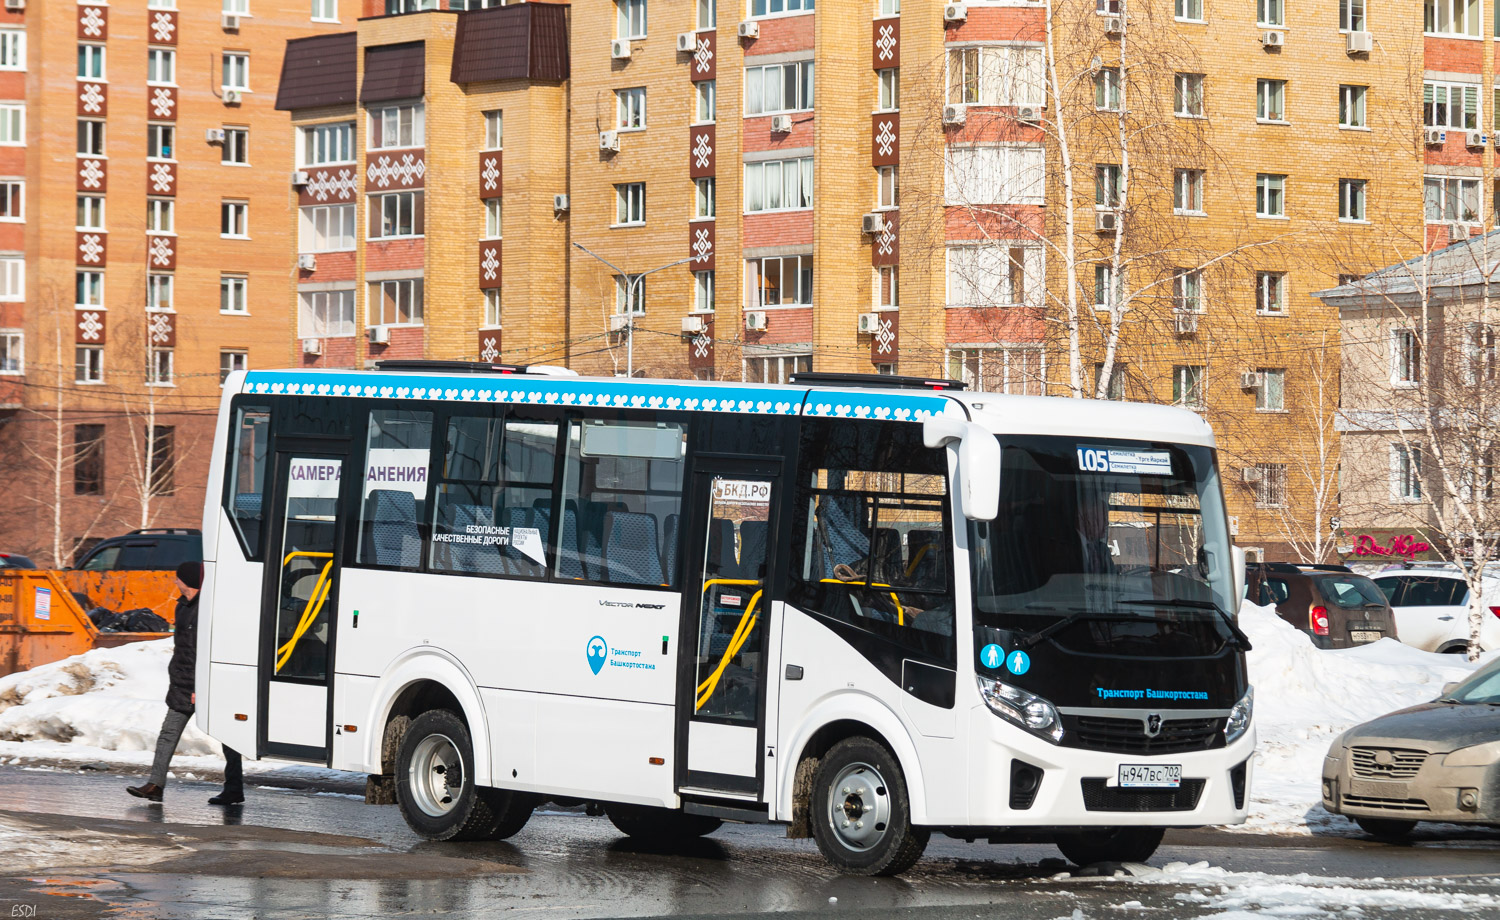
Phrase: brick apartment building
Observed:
(142, 250)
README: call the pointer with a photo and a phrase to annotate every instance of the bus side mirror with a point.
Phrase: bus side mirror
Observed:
(1237, 562)
(978, 462)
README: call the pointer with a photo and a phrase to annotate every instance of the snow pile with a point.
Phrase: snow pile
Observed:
(1305, 697)
(1246, 894)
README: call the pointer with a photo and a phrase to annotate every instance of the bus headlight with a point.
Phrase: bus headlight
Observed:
(1239, 716)
(1027, 710)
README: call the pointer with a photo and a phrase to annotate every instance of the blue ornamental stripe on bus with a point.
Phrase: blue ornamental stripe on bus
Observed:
(575, 392)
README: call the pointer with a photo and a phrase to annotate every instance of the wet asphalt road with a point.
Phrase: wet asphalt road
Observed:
(292, 853)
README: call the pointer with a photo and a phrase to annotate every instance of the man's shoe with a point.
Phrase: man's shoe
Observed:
(227, 798)
(148, 791)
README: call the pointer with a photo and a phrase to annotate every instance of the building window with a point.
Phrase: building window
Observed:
(633, 294)
(90, 212)
(492, 308)
(234, 219)
(887, 187)
(1104, 287)
(778, 281)
(703, 292)
(159, 367)
(1187, 386)
(234, 294)
(1450, 105)
(91, 62)
(237, 7)
(1187, 95)
(12, 49)
(1270, 485)
(88, 364)
(12, 200)
(1270, 195)
(1451, 200)
(231, 361)
(1270, 396)
(12, 279)
(1451, 17)
(161, 141)
(1352, 107)
(1116, 389)
(398, 214)
(88, 459)
(159, 292)
(494, 129)
(890, 89)
(779, 88)
(887, 287)
(1406, 473)
(1187, 290)
(1406, 358)
(1106, 186)
(708, 14)
(160, 215)
(397, 126)
(90, 133)
(1107, 89)
(1479, 363)
(493, 219)
(890, 7)
(997, 75)
(779, 185)
(704, 196)
(325, 314)
(1270, 100)
(13, 128)
(994, 275)
(630, 108)
(1189, 10)
(1270, 12)
(1014, 369)
(706, 93)
(982, 174)
(236, 71)
(163, 478)
(630, 204)
(1187, 191)
(398, 7)
(236, 149)
(12, 351)
(88, 289)
(161, 66)
(325, 10)
(775, 368)
(630, 18)
(1351, 15)
(1351, 199)
(774, 7)
(396, 303)
(1270, 293)
(325, 144)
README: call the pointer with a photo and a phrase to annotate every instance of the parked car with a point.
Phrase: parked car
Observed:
(16, 561)
(160, 549)
(1432, 762)
(1333, 606)
(1432, 608)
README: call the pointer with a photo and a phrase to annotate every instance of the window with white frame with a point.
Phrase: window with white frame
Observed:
(234, 294)
(1187, 95)
(13, 128)
(494, 129)
(236, 148)
(1351, 199)
(630, 108)
(161, 141)
(1104, 287)
(996, 75)
(1450, 199)
(779, 185)
(704, 197)
(12, 200)
(492, 308)
(397, 214)
(90, 62)
(1450, 105)
(1269, 485)
(395, 303)
(236, 71)
(707, 106)
(161, 4)
(1451, 17)
(231, 360)
(159, 368)
(88, 364)
(1270, 293)
(398, 126)
(161, 66)
(703, 291)
(1270, 12)
(994, 275)
(1351, 15)
(630, 18)
(1189, 10)
(234, 219)
(1014, 369)
(90, 212)
(995, 174)
(1107, 186)
(325, 10)
(887, 187)
(779, 88)
(1270, 195)
(322, 145)
(1187, 191)
(1352, 107)
(632, 293)
(1187, 290)
(778, 281)
(1406, 358)
(1270, 100)
(1109, 7)
(887, 287)
(1187, 386)
(12, 278)
(237, 7)
(630, 204)
(325, 314)
(1406, 473)
(12, 351)
(776, 368)
(779, 8)
(494, 224)
(890, 8)
(12, 49)
(88, 289)
(1270, 396)
(1107, 89)
(159, 292)
(888, 83)
(1479, 354)
(708, 14)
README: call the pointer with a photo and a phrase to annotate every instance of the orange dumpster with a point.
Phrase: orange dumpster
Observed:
(41, 620)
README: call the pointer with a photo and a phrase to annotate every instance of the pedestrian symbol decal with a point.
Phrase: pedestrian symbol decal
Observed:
(991, 655)
(598, 650)
(1019, 662)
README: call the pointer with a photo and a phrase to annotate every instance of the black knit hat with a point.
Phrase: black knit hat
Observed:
(191, 574)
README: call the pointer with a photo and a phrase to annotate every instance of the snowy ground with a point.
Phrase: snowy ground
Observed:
(106, 706)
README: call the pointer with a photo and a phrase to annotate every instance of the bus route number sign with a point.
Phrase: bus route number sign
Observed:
(1115, 460)
(742, 491)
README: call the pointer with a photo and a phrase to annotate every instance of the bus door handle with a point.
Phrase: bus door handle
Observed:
(794, 672)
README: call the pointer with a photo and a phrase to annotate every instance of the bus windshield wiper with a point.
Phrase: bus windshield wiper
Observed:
(1240, 639)
(1056, 626)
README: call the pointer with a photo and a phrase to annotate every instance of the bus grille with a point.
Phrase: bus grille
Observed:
(1128, 736)
(1099, 797)
(1404, 764)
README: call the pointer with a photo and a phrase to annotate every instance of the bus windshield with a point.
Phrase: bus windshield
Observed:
(1107, 547)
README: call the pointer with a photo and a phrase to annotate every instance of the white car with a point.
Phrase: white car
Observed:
(1432, 608)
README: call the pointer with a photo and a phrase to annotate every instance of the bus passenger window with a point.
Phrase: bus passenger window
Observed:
(622, 502)
(247, 475)
(398, 454)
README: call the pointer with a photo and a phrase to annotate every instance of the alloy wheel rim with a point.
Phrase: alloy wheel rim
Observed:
(436, 775)
(859, 807)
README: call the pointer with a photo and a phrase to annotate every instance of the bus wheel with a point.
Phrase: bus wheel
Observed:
(435, 780)
(659, 826)
(1111, 844)
(861, 818)
(511, 810)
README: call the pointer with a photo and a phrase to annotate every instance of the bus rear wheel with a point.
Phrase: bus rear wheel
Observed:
(659, 826)
(1111, 844)
(861, 816)
(435, 780)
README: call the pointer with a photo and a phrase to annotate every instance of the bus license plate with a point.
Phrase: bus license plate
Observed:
(1150, 776)
(1364, 635)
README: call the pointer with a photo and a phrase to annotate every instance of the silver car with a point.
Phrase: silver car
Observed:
(1437, 761)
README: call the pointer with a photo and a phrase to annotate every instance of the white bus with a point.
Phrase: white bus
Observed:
(868, 609)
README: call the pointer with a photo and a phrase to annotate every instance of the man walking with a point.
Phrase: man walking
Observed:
(181, 698)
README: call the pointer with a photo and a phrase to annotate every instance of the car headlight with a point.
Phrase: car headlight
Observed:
(1478, 755)
(1239, 716)
(1025, 709)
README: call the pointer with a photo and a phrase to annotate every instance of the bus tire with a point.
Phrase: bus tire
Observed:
(435, 751)
(659, 826)
(1111, 844)
(860, 813)
(511, 810)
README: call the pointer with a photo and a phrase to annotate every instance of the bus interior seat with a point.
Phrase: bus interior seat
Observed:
(889, 568)
(515, 561)
(721, 559)
(247, 504)
(670, 536)
(926, 552)
(630, 549)
(844, 539)
(477, 557)
(569, 560)
(753, 535)
(395, 539)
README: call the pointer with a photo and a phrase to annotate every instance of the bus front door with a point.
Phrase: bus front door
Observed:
(727, 630)
(301, 592)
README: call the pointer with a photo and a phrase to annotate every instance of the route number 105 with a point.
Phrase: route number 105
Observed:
(1093, 461)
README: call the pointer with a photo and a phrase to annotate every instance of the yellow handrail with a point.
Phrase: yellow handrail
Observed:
(309, 613)
(737, 641)
(916, 559)
(900, 611)
(295, 553)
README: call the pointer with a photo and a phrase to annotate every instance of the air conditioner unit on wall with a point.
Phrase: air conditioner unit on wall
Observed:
(1458, 232)
(692, 325)
(781, 124)
(749, 29)
(1359, 43)
(955, 114)
(15, 4)
(1434, 137)
(1186, 323)
(687, 42)
(307, 262)
(231, 22)
(1251, 474)
(618, 321)
(1272, 38)
(299, 178)
(755, 320)
(1028, 114)
(312, 346)
(873, 222)
(1114, 25)
(559, 202)
(214, 135)
(379, 335)
(1474, 139)
(869, 323)
(610, 141)
(1249, 380)
(232, 97)
(1106, 221)
(619, 49)
(955, 12)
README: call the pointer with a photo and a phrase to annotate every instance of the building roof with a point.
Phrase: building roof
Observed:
(524, 41)
(394, 72)
(318, 70)
(1458, 271)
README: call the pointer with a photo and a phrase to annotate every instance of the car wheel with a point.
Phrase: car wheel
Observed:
(435, 780)
(861, 816)
(660, 826)
(1111, 844)
(1387, 829)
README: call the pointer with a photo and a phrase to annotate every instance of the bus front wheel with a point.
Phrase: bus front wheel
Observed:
(435, 780)
(861, 816)
(1111, 844)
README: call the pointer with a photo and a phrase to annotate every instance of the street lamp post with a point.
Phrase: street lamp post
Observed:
(631, 283)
